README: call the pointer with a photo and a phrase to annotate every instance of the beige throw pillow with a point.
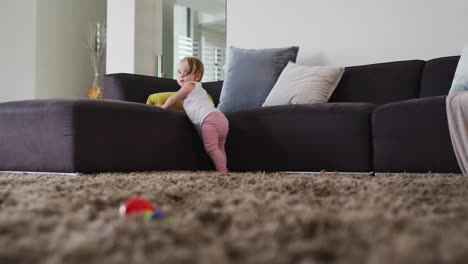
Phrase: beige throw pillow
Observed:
(299, 84)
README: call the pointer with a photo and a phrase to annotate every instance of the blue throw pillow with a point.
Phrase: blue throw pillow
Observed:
(460, 81)
(250, 76)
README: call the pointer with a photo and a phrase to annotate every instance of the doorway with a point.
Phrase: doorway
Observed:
(194, 28)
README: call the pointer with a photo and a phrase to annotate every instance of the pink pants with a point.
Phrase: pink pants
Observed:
(214, 130)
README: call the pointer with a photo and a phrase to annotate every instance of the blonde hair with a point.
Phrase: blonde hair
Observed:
(195, 66)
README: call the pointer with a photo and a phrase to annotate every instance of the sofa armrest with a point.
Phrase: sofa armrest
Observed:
(135, 88)
(413, 136)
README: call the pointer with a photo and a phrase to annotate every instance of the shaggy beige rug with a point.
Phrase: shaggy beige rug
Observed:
(235, 218)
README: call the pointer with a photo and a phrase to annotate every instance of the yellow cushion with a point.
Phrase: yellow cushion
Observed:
(158, 99)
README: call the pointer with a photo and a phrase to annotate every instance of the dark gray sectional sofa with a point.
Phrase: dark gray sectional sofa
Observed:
(387, 117)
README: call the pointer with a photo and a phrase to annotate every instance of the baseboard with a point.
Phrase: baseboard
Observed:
(41, 172)
(381, 174)
(370, 173)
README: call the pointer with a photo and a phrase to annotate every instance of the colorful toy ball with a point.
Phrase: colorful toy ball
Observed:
(148, 215)
(157, 215)
(135, 205)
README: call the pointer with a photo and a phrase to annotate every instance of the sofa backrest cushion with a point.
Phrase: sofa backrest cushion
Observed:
(380, 83)
(437, 76)
(214, 90)
(134, 87)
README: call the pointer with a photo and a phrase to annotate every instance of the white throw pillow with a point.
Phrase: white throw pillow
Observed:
(300, 84)
(460, 80)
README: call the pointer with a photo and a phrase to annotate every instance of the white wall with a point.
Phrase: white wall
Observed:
(134, 27)
(63, 64)
(337, 32)
(17, 49)
(146, 26)
(120, 36)
(41, 52)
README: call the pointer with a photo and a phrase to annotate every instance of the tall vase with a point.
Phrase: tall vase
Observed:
(97, 80)
(95, 91)
(96, 44)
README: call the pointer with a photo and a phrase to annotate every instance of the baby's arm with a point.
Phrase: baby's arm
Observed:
(179, 95)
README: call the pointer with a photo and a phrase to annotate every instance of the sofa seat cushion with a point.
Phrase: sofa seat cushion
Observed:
(85, 135)
(413, 136)
(315, 137)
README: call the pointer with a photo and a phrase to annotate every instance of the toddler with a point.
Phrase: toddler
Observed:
(210, 123)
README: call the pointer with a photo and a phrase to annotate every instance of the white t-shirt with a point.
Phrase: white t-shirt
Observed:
(198, 105)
